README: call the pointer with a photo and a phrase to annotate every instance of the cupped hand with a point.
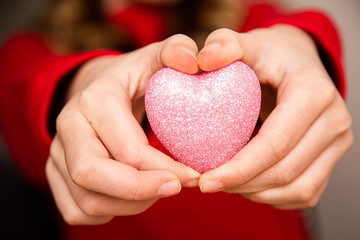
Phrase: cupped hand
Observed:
(101, 164)
(306, 126)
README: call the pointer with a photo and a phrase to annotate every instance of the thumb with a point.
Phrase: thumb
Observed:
(225, 46)
(178, 52)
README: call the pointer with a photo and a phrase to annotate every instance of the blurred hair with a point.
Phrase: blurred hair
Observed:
(198, 18)
(81, 25)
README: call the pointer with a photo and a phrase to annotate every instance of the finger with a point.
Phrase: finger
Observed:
(221, 48)
(315, 141)
(303, 205)
(89, 166)
(274, 141)
(111, 118)
(305, 189)
(70, 211)
(180, 52)
(92, 203)
(266, 51)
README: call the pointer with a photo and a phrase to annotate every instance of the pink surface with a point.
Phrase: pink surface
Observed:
(203, 120)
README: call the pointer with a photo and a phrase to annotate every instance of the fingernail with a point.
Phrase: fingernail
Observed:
(211, 46)
(192, 183)
(188, 52)
(169, 188)
(212, 186)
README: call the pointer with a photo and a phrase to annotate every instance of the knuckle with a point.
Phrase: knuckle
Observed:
(242, 176)
(255, 197)
(52, 150)
(97, 96)
(141, 207)
(73, 218)
(85, 97)
(61, 120)
(278, 147)
(134, 192)
(305, 193)
(132, 155)
(328, 93)
(89, 204)
(284, 175)
(318, 95)
(90, 97)
(79, 170)
(343, 122)
(77, 217)
(311, 203)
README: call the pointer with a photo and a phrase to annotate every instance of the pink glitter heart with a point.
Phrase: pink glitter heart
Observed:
(203, 120)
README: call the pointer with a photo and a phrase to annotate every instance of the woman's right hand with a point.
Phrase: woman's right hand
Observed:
(101, 164)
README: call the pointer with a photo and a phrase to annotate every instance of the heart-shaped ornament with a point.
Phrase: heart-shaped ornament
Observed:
(204, 119)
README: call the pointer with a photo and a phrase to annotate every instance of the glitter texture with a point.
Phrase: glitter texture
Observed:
(203, 120)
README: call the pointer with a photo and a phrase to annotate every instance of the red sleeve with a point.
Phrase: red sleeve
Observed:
(315, 23)
(30, 73)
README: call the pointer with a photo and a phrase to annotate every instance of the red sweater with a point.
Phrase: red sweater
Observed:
(30, 74)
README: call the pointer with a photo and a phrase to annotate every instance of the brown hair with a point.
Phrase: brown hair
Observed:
(198, 18)
(80, 25)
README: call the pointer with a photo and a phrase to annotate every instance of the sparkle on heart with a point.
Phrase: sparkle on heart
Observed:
(204, 119)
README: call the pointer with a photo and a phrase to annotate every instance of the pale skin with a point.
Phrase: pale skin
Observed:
(289, 162)
(101, 164)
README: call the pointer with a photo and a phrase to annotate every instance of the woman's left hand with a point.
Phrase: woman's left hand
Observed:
(306, 126)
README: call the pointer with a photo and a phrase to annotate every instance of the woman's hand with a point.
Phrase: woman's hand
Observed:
(100, 162)
(306, 128)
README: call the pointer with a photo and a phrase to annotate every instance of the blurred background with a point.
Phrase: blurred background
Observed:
(24, 209)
